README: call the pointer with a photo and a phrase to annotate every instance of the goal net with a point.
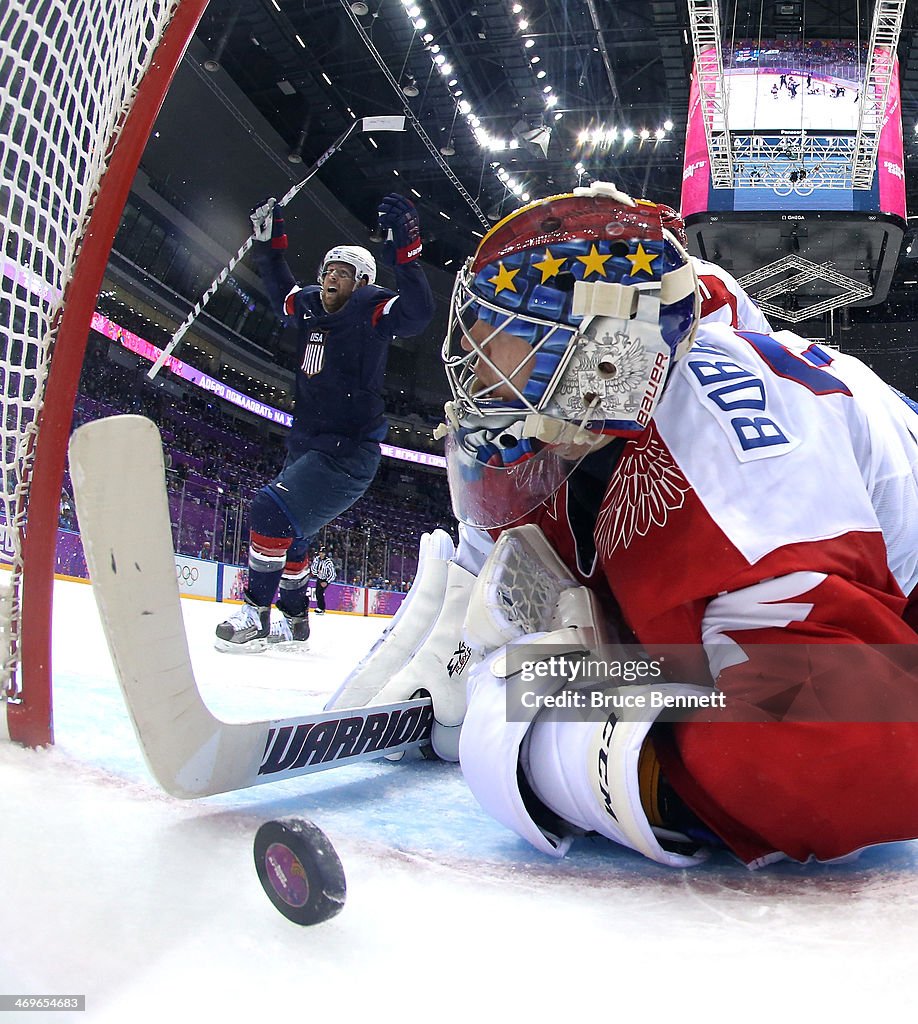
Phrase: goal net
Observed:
(81, 82)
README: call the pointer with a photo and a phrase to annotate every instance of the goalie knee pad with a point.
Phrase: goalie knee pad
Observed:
(587, 773)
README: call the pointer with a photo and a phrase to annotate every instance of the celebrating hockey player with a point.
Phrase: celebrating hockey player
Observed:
(345, 325)
(659, 479)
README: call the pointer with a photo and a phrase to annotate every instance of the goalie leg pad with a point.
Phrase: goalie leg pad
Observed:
(406, 632)
(440, 666)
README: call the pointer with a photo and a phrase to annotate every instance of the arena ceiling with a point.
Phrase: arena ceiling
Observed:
(536, 74)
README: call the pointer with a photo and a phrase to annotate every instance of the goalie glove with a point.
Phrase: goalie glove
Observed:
(268, 223)
(400, 217)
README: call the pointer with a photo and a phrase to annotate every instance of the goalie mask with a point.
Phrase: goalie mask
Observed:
(564, 327)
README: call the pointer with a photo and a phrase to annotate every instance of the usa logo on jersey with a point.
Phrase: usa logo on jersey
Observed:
(314, 353)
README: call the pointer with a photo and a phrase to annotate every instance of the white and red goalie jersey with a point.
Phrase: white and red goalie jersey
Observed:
(723, 299)
(772, 504)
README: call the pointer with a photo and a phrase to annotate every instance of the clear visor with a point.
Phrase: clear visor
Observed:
(488, 497)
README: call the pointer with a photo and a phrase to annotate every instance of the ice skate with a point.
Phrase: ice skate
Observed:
(289, 633)
(245, 632)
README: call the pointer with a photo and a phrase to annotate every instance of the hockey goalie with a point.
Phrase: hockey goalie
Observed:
(660, 478)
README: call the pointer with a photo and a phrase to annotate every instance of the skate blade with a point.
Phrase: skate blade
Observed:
(290, 647)
(228, 647)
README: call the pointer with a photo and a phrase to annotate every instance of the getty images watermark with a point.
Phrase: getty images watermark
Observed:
(762, 683)
(611, 680)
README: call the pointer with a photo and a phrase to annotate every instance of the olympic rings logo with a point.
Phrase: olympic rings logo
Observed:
(187, 574)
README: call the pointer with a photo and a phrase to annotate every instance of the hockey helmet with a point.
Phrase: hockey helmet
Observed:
(359, 258)
(564, 326)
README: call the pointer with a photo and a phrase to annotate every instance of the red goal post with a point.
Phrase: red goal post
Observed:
(81, 83)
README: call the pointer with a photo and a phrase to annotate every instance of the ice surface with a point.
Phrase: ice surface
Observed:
(151, 906)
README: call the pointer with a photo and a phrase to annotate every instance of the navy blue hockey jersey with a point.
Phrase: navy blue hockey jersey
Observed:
(342, 356)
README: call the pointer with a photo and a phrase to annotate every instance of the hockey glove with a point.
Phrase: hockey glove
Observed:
(399, 216)
(268, 223)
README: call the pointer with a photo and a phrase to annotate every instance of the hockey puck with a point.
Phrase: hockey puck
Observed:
(300, 870)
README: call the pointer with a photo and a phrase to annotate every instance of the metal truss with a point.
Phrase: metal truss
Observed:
(709, 67)
(884, 38)
(793, 164)
(807, 271)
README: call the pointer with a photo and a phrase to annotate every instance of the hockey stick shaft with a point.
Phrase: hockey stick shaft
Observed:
(119, 484)
(386, 123)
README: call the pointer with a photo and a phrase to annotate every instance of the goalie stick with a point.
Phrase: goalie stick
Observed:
(386, 123)
(118, 475)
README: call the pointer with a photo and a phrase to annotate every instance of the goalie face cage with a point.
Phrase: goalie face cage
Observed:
(81, 82)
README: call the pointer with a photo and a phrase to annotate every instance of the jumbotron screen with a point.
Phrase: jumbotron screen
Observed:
(792, 112)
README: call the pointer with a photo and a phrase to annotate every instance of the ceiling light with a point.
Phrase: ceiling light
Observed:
(359, 8)
(517, 8)
(410, 86)
(419, 24)
(448, 149)
(529, 43)
(534, 60)
(645, 134)
(540, 74)
(524, 24)
(668, 125)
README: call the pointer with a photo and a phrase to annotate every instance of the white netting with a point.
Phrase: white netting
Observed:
(69, 71)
